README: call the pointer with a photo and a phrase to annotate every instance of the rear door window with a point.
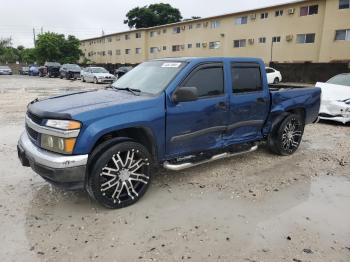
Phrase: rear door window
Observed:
(246, 77)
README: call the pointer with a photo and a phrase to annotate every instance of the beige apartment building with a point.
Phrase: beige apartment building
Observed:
(300, 31)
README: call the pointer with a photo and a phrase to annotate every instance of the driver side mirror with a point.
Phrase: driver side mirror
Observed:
(185, 94)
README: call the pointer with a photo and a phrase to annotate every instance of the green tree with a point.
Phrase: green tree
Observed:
(152, 15)
(28, 55)
(55, 47)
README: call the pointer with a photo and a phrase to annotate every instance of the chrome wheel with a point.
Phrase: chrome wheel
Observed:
(291, 135)
(124, 176)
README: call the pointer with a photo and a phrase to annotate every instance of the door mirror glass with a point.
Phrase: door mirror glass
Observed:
(185, 94)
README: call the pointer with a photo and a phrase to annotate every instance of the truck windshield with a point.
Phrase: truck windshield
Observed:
(150, 77)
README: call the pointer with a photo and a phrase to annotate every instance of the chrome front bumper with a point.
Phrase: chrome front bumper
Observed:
(57, 169)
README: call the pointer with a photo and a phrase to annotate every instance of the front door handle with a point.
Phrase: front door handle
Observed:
(261, 100)
(221, 105)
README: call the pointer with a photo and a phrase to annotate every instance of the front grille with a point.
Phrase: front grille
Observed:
(32, 133)
(36, 119)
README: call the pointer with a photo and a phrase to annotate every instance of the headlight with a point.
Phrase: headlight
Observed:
(58, 144)
(63, 124)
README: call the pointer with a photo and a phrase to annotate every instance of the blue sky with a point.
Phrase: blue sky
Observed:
(87, 18)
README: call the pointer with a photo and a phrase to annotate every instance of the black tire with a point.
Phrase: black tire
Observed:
(276, 80)
(286, 138)
(82, 79)
(67, 76)
(120, 174)
(95, 80)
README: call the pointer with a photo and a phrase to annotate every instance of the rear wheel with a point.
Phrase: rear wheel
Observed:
(95, 80)
(120, 175)
(286, 139)
(276, 80)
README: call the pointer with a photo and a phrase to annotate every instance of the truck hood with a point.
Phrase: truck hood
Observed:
(72, 105)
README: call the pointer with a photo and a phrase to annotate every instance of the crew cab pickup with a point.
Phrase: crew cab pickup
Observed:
(172, 113)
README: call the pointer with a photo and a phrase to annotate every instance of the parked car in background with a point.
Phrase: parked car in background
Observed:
(5, 70)
(273, 76)
(97, 75)
(122, 71)
(33, 70)
(173, 113)
(335, 99)
(50, 69)
(70, 71)
(24, 70)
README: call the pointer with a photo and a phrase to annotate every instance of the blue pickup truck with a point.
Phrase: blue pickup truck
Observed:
(171, 113)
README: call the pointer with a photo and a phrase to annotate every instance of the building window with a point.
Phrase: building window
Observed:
(279, 12)
(198, 25)
(103, 53)
(153, 50)
(241, 20)
(138, 35)
(109, 39)
(127, 37)
(164, 48)
(344, 4)
(264, 15)
(177, 30)
(198, 45)
(117, 38)
(214, 45)
(262, 40)
(109, 52)
(127, 51)
(342, 35)
(164, 31)
(239, 43)
(309, 10)
(176, 48)
(190, 27)
(215, 24)
(117, 52)
(152, 33)
(138, 50)
(189, 46)
(305, 38)
(276, 39)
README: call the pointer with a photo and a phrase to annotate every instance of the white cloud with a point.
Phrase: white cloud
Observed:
(87, 18)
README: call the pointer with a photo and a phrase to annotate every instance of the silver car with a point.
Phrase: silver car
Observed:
(5, 70)
(97, 75)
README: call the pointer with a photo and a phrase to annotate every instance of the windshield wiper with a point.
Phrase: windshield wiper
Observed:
(134, 91)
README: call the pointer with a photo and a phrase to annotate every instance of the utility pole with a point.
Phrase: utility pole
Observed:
(271, 51)
(41, 30)
(34, 37)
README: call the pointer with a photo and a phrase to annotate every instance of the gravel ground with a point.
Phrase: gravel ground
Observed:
(256, 207)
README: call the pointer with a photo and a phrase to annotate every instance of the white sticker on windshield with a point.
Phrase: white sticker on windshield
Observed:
(174, 65)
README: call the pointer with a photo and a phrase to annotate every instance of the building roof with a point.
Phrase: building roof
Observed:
(196, 20)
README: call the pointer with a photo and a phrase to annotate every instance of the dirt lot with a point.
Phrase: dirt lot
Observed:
(257, 207)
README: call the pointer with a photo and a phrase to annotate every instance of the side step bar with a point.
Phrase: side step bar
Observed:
(178, 167)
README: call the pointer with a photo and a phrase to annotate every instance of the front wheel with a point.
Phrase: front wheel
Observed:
(286, 139)
(120, 175)
(276, 80)
(95, 80)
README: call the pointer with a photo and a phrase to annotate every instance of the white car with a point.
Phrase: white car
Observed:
(97, 75)
(273, 76)
(5, 70)
(335, 99)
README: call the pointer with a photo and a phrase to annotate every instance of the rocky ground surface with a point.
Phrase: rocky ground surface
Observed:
(256, 207)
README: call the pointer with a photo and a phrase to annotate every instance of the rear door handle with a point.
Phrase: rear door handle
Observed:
(221, 105)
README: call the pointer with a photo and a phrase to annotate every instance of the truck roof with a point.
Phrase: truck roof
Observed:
(204, 59)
